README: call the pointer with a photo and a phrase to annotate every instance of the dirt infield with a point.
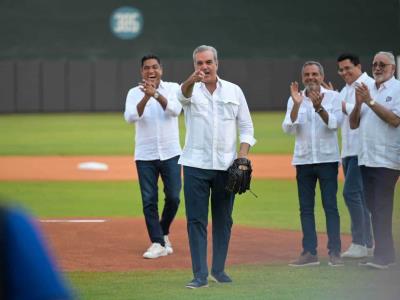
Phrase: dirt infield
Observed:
(118, 245)
(53, 168)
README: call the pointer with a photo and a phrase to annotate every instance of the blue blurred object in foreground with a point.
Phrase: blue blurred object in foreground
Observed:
(27, 269)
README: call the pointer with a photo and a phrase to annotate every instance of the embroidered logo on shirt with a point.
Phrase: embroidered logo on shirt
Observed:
(388, 99)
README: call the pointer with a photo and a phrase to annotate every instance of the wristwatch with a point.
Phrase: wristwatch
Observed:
(156, 95)
(372, 102)
(320, 109)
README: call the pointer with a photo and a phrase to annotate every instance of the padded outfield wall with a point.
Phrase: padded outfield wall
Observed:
(63, 55)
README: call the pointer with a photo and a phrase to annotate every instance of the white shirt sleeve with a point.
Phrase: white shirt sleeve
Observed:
(174, 107)
(131, 114)
(288, 126)
(336, 115)
(181, 98)
(245, 124)
(343, 98)
(396, 107)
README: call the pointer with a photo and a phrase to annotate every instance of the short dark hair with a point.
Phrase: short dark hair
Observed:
(151, 56)
(355, 60)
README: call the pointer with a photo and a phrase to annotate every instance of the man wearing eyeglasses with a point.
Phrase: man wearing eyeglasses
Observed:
(377, 115)
(349, 68)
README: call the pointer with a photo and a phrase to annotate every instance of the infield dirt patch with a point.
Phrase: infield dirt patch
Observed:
(118, 245)
(57, 168)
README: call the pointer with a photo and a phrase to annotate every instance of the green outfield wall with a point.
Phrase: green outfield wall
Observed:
(83, 55)
(238, 28)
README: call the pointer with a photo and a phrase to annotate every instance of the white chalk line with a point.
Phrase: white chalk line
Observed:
(73, 221)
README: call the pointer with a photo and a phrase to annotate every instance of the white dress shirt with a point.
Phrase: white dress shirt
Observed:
(380, 142)
(316, 142)
(212, 122)
(350, 137)
(157, 130)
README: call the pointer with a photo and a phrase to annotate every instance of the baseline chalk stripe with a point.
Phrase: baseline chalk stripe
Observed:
(73, 221)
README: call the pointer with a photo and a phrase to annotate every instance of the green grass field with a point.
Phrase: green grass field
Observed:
(251, 282)
(106, 134)
(275, 207)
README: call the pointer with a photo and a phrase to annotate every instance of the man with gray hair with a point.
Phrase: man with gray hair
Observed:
(314, 116)
(215, 110)
(377, 115)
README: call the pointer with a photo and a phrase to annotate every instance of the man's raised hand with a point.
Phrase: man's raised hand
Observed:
(294, 92)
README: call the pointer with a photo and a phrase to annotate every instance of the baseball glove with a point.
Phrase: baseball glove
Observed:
(239, 176)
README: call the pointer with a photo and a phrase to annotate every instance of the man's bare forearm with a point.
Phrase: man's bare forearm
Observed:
(187, 87)
(142, 104)
(244, 150)
(355, 116)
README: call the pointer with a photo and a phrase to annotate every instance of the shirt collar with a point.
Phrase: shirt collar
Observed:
(162, 84)
(322, 91)
(219, 83)
(359, 80)
(387, 84)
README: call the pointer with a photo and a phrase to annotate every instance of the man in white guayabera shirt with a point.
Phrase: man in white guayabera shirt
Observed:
(377, 115)
(215, 111)
(154, 109)
(349, 68)
(314, 116)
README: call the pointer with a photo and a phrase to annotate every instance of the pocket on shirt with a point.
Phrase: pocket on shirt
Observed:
(228, 109)
(387, 154)
(199, 108)
(301, 149)
(327, 146)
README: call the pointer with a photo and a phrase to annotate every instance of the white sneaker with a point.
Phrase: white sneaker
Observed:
(355, 251)
(155, 250)
(168, 245)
